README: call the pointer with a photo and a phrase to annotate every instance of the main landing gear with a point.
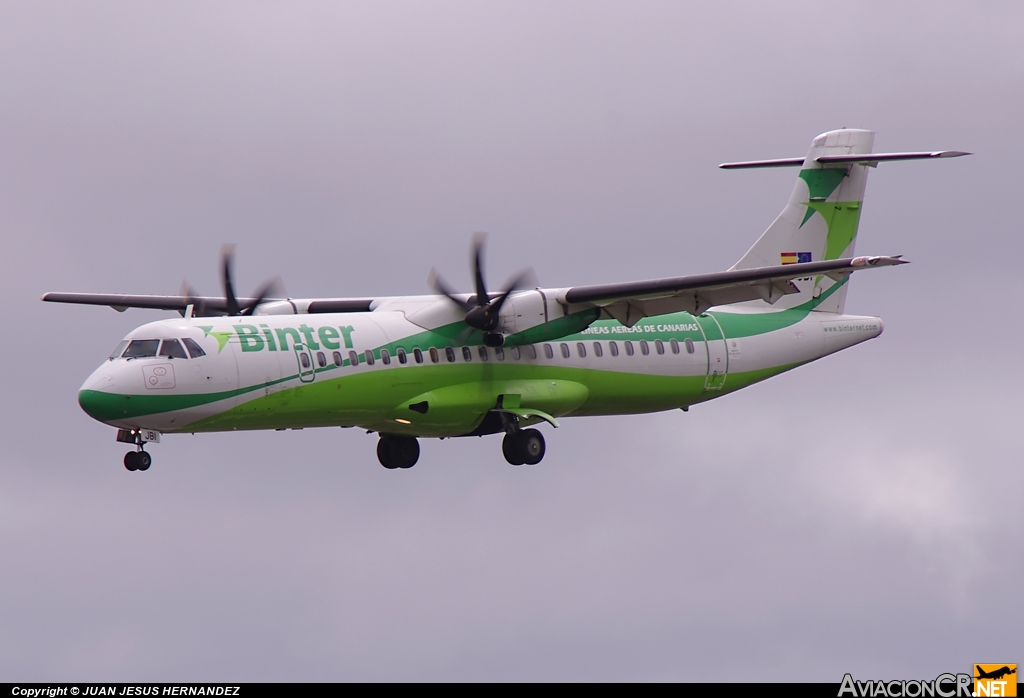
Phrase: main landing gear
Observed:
(397, 451)
(137, 460)
(523, 447)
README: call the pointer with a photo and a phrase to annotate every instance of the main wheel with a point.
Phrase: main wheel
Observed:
(143, 460)
(131, 460)
(397, 451)
(511, 448)
(531, 445)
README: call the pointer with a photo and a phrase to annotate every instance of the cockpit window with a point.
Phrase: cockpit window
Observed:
(171, 348)
(194, 350)
(120, 348)
(139, 348)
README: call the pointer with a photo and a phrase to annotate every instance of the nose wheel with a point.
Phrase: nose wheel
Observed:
(523, 447)
(137, 460)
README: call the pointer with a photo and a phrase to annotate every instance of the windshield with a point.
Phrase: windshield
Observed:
(117, 352)
(140, 348)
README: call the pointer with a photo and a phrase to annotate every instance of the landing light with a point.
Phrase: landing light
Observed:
(402, 421)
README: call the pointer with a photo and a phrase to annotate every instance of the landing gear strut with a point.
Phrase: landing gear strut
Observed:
(397, 451)
(523, 447)
(137, 460)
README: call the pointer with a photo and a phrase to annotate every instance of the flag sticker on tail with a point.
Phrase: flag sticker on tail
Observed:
(795, 257)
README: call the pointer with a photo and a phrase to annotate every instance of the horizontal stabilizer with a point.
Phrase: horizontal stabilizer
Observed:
(870, 159)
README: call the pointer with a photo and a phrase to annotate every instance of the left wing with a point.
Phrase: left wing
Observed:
(630, 302)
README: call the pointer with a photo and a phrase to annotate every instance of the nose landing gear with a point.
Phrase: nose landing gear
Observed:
(137, 460)
(523, 447)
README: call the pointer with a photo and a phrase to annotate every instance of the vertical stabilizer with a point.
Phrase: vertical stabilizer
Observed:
(820, 221)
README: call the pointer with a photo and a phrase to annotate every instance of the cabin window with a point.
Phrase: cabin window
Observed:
(338, 361)
(141, 348)
(613, 348)
(644, 349)
(418, 355)
(565, 350)
(548, 351)
(449, 354)
(500, 353)
(353, 358)
(117, 352)
(401, 356)
(467, 354)
(515, 353)
(598, 351)
(483, 353)
(172, 349)
(304, 360)
(659, 346)
(321, 359)
(675, 346)
(368, 357)
(628, 347)
(531, 351)
(434, 356)
(689, 345)
(385, 356)
(194, 350)
(581, 349)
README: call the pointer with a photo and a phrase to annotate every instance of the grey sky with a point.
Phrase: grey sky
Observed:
(859, 514)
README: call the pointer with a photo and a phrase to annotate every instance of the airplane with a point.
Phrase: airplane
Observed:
(996, 674)
(453, 364)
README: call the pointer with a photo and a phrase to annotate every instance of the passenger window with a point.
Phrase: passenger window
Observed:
(629, 348)
(368, 357)
(338, 361)
(449, 354)
(172, 349)
(321, 359)
(644, 349)
(548, 351)
(401, 356)
(483, 353)
(304, 358)
(598, 351)
(581, 349)
(659, 346)
(117, 352)
(613, 348)
(353, 358)
(515, 353)
(500, 353)
(141, 348)
(194, 350)
(385, 356)
(689, 345)
(675, 346)
(434, 357)
(467, 354)
(418, 355)
(531, 351)
(565, 350)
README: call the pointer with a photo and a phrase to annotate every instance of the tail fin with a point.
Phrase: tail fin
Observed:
(820, 222)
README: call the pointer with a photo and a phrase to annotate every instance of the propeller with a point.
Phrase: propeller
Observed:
(483, 311)
(231, 305)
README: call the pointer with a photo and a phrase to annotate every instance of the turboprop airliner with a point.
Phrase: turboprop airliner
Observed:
(455, 364)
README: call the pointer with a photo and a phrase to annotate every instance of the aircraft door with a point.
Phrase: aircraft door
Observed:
(718, 353)
(304, 357)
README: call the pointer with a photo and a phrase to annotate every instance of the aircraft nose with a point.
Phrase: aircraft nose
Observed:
(93, 397)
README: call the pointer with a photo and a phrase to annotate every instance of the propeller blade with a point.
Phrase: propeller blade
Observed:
(439, 285)
(227, 253)
(478, 272)
(265, 291)
(514, 285)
